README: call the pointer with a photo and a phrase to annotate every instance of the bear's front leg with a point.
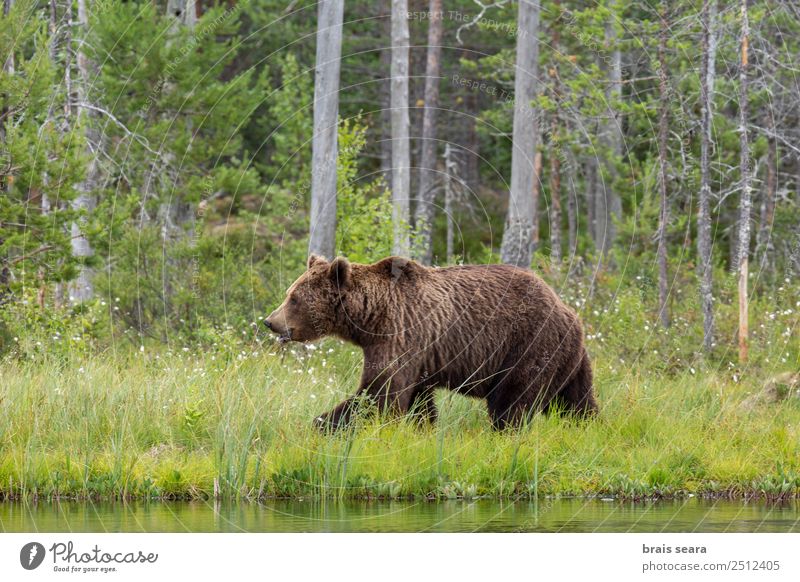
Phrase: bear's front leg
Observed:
(337, 418)
(423, 405)
(386, 389)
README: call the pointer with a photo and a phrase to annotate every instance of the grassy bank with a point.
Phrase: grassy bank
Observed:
(155, 424)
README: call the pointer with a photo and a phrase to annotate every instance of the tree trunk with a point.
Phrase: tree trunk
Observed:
(45, 205)
(473, 144)
(517, 246)
(707, 73)
(572, 208)
(450, 169)
(536, 192)
(184, 11)
(663, 129)
(401, 155)
(555, 194)
(745, 200)
(764, 245)
(385, 93)
(608, 206)
(60, 291)
(82, 288)
(324, 146)
(8, 62)
(555, 151)
(425, 198)
(5, 272)
(590, 185)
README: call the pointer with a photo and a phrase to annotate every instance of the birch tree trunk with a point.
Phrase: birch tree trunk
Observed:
(764, 245)
(425, 198)
(608, 206)
(385, 93)
(449, 194)
(175, 215)
(536, 194)
(663, 131)
(401, 154)
(184, 11)
(517, 246)
(572, 208)
(590, 171)
(707, 74)
(324, 147)
(555, 153)
(745, 200)
(8, 67)
(555, 194)
(82, 288)
(8, 61)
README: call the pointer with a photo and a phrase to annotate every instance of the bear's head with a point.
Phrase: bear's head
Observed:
(309, 311)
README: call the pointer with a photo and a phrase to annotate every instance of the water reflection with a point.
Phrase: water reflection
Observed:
(563, 515)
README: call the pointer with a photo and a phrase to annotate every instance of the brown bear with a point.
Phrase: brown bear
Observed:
(489, 331)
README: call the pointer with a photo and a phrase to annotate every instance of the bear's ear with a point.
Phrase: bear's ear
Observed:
(313, 259)
(340, 271)
(397, 267)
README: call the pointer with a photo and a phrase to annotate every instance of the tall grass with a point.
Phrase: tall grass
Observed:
(239, 426)
(232, 418)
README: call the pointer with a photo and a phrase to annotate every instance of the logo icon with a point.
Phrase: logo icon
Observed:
(31, 555)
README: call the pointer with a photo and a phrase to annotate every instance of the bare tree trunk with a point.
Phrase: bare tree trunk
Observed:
(745, 201)
(764, 245)
(45, 205)
(590, 182)
(572, 208)
(60, 292)
(184, 11)
(324, 147)
(8, 62)
(517, 246)
(5, 272)
(401, 154)
(707, 73)
(663, 129)
(555, 152)
(555, 194)
(175, 216)
(473, 144)
(608, 206)
(450, 169)
(82, 288)
(536, 190)
(385, 93)
(425, 207)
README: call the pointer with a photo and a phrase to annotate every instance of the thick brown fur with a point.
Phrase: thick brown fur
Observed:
(489, 331)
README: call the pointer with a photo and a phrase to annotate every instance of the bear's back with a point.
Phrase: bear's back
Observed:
(499, 295)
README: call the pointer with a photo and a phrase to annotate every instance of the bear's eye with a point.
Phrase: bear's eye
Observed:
(293, 301)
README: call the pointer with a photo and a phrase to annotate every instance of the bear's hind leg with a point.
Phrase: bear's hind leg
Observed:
(578, 393)
(510, 405)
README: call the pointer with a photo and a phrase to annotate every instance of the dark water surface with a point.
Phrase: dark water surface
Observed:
(563, 515)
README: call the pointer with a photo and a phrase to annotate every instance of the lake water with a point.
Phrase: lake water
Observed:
(563, 515)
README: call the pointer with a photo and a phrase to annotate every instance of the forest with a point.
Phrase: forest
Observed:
(167, 166)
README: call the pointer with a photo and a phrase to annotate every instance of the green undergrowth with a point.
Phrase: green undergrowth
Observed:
(238, 425)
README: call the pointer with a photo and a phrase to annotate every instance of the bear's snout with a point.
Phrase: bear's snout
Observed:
(276, 323)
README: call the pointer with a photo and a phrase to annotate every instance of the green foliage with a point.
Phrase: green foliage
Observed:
(364, 209)
(29, 332)
(291, 108)
(41, 157)
(190, 225)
